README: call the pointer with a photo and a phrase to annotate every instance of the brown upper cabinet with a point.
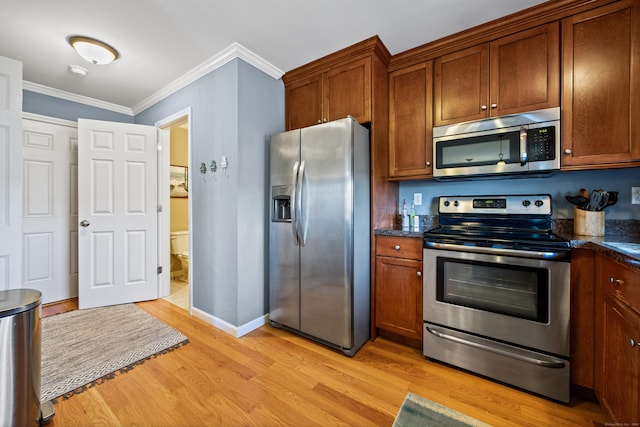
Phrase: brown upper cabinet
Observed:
(515, 73)
(320, 94)
(601, 93)
(410, 121)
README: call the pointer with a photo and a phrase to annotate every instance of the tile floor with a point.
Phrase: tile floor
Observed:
(179, 293)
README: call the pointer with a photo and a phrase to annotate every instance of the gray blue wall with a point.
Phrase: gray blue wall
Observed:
(234, 111)
(558, 186)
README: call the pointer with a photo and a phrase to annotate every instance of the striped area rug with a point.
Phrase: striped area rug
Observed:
(82, 348)
(418, 411)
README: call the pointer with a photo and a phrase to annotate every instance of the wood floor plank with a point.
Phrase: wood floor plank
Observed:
(271, 377)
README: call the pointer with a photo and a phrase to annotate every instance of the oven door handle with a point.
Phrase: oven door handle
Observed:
(548, 363)
(497, 251)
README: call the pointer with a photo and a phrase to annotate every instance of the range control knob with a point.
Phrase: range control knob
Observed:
(539, 203)
(447, 203)
(456, 203)
(526, 203)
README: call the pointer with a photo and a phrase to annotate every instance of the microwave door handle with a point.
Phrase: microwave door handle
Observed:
(523, 146)
(294, 216)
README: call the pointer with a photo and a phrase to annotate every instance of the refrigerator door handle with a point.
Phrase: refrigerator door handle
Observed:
(299, 217)
(294, 198)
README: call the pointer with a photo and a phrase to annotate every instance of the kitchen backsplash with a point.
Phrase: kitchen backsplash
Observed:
(557, 185)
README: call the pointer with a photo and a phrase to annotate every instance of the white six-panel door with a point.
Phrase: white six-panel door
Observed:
(50, 209)
(117, 213)
(10, 174)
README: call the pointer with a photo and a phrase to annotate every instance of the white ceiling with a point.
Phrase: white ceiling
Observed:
(162, 40)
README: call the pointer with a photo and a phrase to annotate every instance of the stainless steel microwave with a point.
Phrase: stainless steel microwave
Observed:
(507, 145)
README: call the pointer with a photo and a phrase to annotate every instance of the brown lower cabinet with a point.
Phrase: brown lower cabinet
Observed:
(617, 371)
(398, 286)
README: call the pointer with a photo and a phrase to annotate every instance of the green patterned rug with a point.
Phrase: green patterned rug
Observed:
(418, 411)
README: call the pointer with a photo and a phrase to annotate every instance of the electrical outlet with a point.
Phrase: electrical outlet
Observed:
(417, 199)
(635, 195)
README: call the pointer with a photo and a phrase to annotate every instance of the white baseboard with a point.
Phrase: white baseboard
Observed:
(236, 331)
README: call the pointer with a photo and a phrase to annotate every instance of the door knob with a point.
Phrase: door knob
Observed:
(84, 223)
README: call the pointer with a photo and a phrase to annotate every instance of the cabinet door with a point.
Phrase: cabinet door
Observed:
(399, 296)
(461, 82)
(347, 91)
(601, 93)
(524, 73)
(304, 102)
(621, 362)
(410, 123)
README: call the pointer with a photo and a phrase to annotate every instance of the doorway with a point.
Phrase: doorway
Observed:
(175, 159)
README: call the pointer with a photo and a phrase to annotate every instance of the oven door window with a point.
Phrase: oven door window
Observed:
(504, 289)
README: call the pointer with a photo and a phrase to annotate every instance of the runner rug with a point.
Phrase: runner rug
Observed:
(418, 411)
(82, 348)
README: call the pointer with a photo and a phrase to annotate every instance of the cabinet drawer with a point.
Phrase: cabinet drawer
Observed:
(624, 283)
(399, 247)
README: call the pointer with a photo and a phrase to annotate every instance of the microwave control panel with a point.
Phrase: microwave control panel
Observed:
(541, 144)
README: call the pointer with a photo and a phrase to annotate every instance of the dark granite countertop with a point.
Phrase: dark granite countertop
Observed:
(616, 231)
(399, 232)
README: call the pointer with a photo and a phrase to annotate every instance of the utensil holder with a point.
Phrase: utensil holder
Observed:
(588, 223)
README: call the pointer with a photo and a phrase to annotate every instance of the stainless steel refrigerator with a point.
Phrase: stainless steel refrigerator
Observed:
(319, 234)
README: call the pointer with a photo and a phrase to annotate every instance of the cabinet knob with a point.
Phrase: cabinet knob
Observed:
(324, 120)
(616, 281)
(419, 273)
(428, 163)
(567, 151)
(633, 343)
(483, 107)
(396, 247)
(319, 121)
(494, 105)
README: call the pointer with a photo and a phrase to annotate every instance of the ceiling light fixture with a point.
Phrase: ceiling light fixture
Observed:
(93, 50)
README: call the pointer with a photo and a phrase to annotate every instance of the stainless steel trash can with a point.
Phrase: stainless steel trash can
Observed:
(20, 357)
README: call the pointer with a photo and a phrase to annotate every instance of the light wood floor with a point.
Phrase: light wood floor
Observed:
(271, 377)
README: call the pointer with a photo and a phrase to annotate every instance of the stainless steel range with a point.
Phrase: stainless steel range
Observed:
(496, 291)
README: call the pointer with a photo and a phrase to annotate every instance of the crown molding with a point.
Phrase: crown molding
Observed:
(235, 50)
(56, 93)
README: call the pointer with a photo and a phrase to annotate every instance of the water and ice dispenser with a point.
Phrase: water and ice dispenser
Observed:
(281, 203)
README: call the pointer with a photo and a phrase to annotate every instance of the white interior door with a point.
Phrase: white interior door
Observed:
(50, 208)
(10, 174)
(117, 213)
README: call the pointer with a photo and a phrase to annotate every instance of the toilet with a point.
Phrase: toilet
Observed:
(180, 249)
